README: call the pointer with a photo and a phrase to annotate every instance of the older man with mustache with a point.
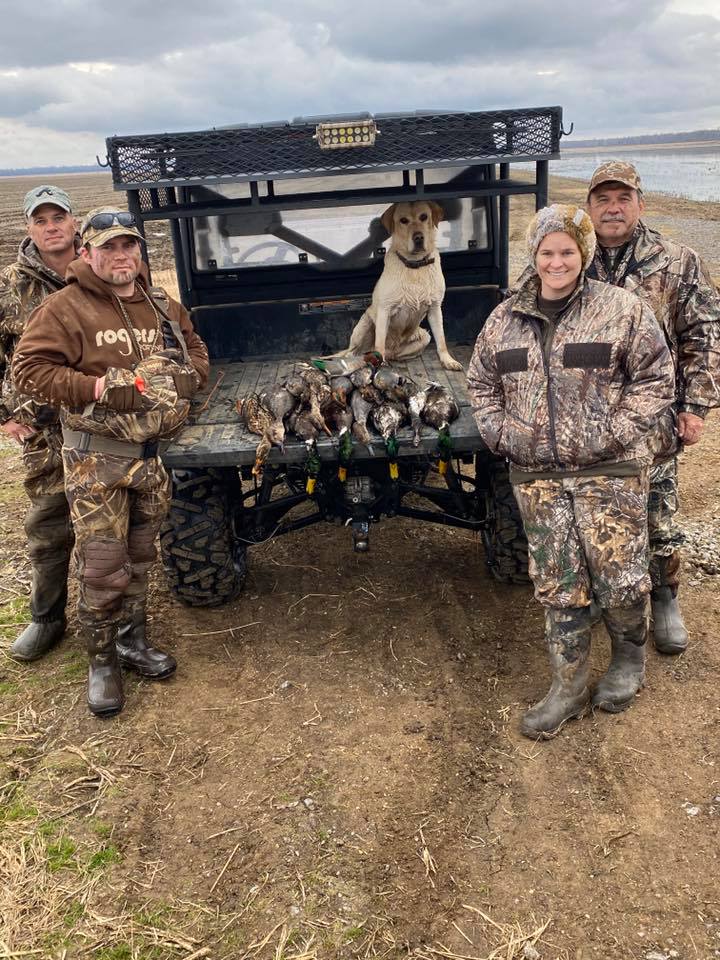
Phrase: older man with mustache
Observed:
(674, 282)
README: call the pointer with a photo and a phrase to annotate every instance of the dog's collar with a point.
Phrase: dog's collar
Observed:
(414, 264)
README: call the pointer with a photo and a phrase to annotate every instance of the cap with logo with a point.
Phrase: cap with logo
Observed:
(104, 223)
(617, 171)
(46, 193)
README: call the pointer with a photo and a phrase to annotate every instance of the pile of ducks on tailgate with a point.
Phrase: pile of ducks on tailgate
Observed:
(345, 396)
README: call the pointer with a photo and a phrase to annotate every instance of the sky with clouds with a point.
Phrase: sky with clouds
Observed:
(73, 72)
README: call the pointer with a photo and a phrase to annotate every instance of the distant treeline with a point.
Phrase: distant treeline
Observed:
(648, 138)
(37, 171)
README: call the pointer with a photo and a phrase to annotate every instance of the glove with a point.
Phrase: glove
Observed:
(122, 390)
(186, 384)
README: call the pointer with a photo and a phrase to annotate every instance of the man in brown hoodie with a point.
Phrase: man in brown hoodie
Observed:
(46, 252)
(122, 361)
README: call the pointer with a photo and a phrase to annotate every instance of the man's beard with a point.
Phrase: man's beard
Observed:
(119, 278)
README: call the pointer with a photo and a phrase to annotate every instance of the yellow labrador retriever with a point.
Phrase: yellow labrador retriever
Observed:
(411, 287)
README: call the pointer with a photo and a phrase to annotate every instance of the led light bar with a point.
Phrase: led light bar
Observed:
(342, 134)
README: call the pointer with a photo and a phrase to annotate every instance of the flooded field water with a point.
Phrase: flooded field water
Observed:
(692, 172)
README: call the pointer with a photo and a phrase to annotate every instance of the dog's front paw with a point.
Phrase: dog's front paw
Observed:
(449, 363)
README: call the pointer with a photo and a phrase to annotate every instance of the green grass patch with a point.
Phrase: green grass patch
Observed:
(61, 855)
(9, 687)
(102, 829)
(103, 858)
(10, 492)
(74, 667)
(14, 614)
(75, 912)
(123, 951)
(19, 808)
(157, 915)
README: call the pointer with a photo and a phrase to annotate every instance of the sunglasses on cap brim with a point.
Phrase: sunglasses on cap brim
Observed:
(101, 221)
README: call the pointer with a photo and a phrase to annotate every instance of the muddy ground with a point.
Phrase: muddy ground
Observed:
(336, 772)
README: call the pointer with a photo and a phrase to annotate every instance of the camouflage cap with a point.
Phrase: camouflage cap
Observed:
(46, 193)
(562, 218)
(618, 171)
(103, 223)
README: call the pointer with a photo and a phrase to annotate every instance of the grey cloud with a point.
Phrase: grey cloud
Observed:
(444, 32)
(626, 67)
(95, 30)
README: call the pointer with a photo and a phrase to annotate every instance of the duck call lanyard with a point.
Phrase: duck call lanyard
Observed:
(131, 330)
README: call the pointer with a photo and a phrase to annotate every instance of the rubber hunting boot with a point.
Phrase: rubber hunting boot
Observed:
(628, 629)
(568, 638)
(49, 546)
(105, 686)
(136, 654)
(669, 632)
(37, 639)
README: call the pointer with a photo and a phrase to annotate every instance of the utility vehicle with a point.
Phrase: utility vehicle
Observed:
(278, 244)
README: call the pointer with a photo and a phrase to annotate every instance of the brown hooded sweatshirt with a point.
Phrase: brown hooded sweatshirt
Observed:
(76, 334)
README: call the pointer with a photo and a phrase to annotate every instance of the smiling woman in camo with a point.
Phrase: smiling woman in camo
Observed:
(568, 379)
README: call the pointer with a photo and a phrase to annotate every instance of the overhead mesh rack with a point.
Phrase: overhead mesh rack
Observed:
(289, 150)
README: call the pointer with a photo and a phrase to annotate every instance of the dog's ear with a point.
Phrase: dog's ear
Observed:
(437, 211)
(387, 219)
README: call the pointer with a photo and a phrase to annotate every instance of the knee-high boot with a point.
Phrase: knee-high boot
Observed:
(105, 686)
(134, 652)
(669, 631)
(567, 633)
(628, 629)
(49, 545)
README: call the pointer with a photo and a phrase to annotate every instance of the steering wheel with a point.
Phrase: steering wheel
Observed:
(280, 248)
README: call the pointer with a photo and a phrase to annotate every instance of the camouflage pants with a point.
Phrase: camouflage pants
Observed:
(665, 537)
(587, 537)
(42, 457)
(47, 524)
(117, 505)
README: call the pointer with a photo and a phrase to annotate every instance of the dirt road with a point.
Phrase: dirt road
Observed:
(335, 771)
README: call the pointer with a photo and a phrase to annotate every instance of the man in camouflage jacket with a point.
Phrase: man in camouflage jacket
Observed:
(675, 284)
(123, 361)
(44, 255)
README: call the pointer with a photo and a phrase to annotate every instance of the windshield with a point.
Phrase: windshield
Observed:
(325, 237)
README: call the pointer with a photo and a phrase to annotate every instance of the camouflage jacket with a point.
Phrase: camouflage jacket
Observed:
(674, 282)
(23, 287)
(583, 390)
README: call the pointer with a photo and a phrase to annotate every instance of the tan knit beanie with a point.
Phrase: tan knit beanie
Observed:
(562, 218)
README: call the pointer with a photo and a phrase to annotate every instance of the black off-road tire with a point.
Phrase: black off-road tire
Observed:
(507, 535)
(204, 565)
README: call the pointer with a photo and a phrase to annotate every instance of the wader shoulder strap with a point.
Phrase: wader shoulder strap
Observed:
(161, 301)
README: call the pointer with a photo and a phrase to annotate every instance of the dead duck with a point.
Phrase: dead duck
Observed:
(361, 409)
(345, 365)
(362, 377)
(301, 424)
(337, 415)
(319, 393)
(416, 403)
(296, 385)
(440, 407)
(387, 418)
(341, 388)
(390, 383)
(258, 419)
(280, 402)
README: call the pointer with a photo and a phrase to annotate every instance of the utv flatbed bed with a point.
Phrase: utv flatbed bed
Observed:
(215, 437)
